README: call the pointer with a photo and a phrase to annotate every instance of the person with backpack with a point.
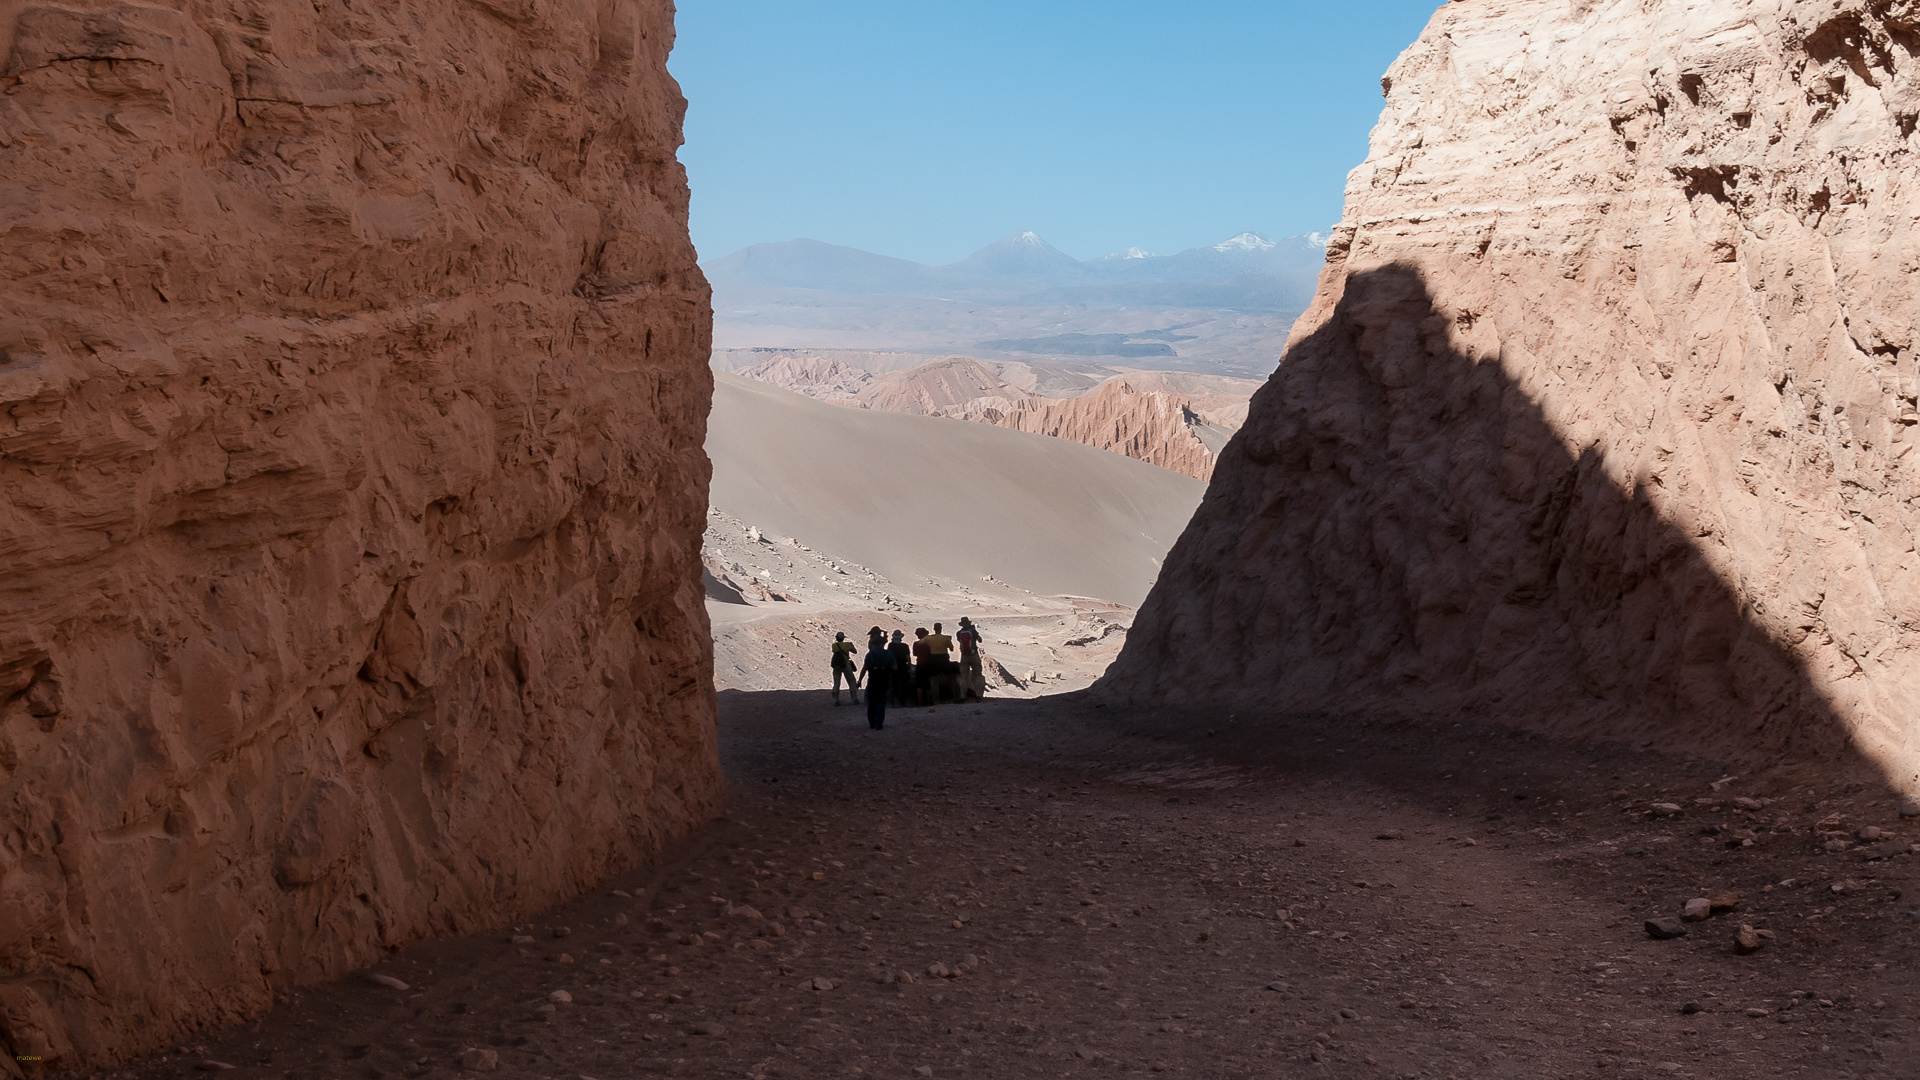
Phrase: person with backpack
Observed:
(878, 669)
(843, 669)
(922, 665)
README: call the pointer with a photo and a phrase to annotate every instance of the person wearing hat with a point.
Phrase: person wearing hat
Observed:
(902, 669)
(972, 680)
(878, 669)
(843, 669)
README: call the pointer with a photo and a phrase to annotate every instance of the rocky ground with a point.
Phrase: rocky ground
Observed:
(1053, 889)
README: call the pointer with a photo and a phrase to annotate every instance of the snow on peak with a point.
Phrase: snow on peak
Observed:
(1134, 253)
(1027, 237)
(1246, 241)
(1319, 239)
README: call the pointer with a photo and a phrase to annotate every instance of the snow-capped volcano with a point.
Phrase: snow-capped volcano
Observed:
(1131, 253)
(1246, 241)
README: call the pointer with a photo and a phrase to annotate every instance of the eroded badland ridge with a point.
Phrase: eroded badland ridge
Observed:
(352, 391)
(1600, 420)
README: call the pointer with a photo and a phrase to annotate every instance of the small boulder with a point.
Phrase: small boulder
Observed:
(1698, 909)
(1663, 809)
(1666, 929)
(560, 997)
(1747, 940)
(388, 981)
(1725, 901)
(479, 1059)
(1869, 834)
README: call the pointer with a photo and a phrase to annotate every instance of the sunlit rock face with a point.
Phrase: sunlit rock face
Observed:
(352, 393)
(1601, 421)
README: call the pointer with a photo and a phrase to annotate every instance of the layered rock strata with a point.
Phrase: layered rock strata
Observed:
(352, 396)
(1602, 418)
(1150, 423)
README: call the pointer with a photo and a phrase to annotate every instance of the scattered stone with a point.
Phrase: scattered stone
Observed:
(1868, 834)
(1757, 1013)
(1349, 1014)
(562, 931)
(903, 977)
(1391, 834)
(1835, 847)
(1408, 1003)
(1885, 849)
(1747, 941)
(479, 1059)
(1297, 842)
(1666, 929)
(1910, 808)
(745, 1008)
(939, 971)
(1720, 902)
(566, 958)
(623, 894)
(388, 981)
(1664, 809)
(560, 997)
(817, 983)
(1690, 1008)
(520, 939)
(1636, 851)
(1277, 987)
(620, 919)
(710, 1027)
(1746, 803)
(210, 1065)
(1698, 909)
(743, 912)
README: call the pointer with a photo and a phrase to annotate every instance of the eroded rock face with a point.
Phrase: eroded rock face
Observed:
(352, 393)
(1602, 418)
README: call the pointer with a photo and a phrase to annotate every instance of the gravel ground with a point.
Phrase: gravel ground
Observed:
(1052, 888)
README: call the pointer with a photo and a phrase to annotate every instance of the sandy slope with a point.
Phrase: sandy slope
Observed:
(914, 497)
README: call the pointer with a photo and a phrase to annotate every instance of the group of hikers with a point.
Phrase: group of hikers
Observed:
(923, 673)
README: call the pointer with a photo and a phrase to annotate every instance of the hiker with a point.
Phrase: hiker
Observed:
(843, 669)
(973, 682)
(939, 668)
(878, 669)
(902, 669)
(922, 665)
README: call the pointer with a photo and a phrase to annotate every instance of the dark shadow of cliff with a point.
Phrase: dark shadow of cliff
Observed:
(1400, 529)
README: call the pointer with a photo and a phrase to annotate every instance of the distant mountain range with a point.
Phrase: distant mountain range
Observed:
(1247, 271)
(1224, 309)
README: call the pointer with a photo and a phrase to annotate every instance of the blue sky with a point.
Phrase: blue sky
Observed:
(925, 129)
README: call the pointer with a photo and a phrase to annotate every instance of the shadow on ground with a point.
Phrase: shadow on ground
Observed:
(1057, 889)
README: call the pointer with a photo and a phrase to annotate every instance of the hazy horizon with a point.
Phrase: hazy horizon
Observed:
(925, 132)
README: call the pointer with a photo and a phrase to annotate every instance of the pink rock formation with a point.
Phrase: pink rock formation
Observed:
(352, 396)
(1153, 424)
(1157, 428)
(1601, 420)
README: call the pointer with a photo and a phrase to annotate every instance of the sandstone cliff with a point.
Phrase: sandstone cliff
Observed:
(1155, 427)
(1142, 415)
(352, 394)
(1601, 419)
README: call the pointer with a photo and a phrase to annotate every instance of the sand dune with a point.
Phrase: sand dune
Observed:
(919, 497)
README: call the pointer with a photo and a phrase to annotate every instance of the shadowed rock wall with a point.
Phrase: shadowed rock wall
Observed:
(1602, 418)
(352, 394)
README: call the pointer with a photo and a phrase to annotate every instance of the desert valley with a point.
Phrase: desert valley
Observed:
(1479, 640)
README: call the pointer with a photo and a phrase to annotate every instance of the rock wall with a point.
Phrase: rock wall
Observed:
(353, 388)
(1154, 427)
(1601, 420)
(1147, 423)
